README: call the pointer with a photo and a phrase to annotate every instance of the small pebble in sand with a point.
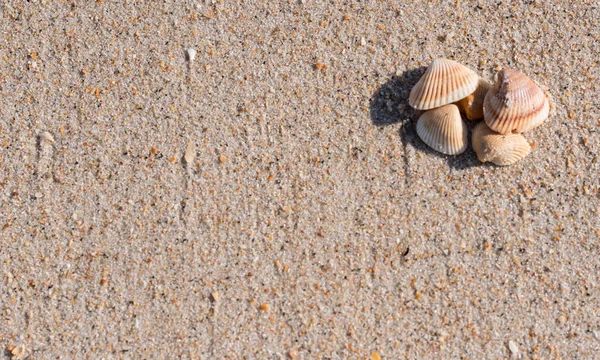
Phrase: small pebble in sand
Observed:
(264, 307)
(209, 14)
(375, 356)
(191, 54)
(512, 346)
(190, 153)
(16, 351)
(47, 137)
(447, 37)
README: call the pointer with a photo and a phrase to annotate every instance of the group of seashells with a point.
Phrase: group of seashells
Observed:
(514, 104)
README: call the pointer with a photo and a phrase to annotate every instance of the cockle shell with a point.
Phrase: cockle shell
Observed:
(472, 105)
(514, 104)
(443, 130)
(497, 148)
(444, 82)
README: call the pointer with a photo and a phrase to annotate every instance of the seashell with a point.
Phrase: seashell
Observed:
(497, 148)
(515, 104)
(444, 82)
(443, 130)
(472, 105)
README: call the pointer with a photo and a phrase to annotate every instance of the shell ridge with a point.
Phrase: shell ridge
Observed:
(442, 129)
(445, 81)
(520, 104)
(425, 87)
(435, 80)
(452, 84)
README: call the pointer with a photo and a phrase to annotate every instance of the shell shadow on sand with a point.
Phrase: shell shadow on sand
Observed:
(389, 106)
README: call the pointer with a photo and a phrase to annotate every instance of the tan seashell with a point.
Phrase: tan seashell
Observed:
(514, 104)
(443, 130)
(472, 105)
(444, 82)
(497, 148)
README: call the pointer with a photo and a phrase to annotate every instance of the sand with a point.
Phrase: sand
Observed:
(311, 222)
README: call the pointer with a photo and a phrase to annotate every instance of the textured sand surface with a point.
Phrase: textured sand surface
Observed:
(312, 222)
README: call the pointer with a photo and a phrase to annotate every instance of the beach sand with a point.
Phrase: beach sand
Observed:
(312, 222)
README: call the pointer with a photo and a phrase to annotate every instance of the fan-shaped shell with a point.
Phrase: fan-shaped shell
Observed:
(443, 130)
(472, 105)
(444, 82)
(497, 148)
(514, 104)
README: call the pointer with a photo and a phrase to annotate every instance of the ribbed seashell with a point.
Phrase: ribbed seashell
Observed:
(497, 148)
(443, 130)
(444, 82)
(472, 105)
(514, 104)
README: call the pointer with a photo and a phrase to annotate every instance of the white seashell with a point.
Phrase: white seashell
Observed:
(444, 82)
(443, 130)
